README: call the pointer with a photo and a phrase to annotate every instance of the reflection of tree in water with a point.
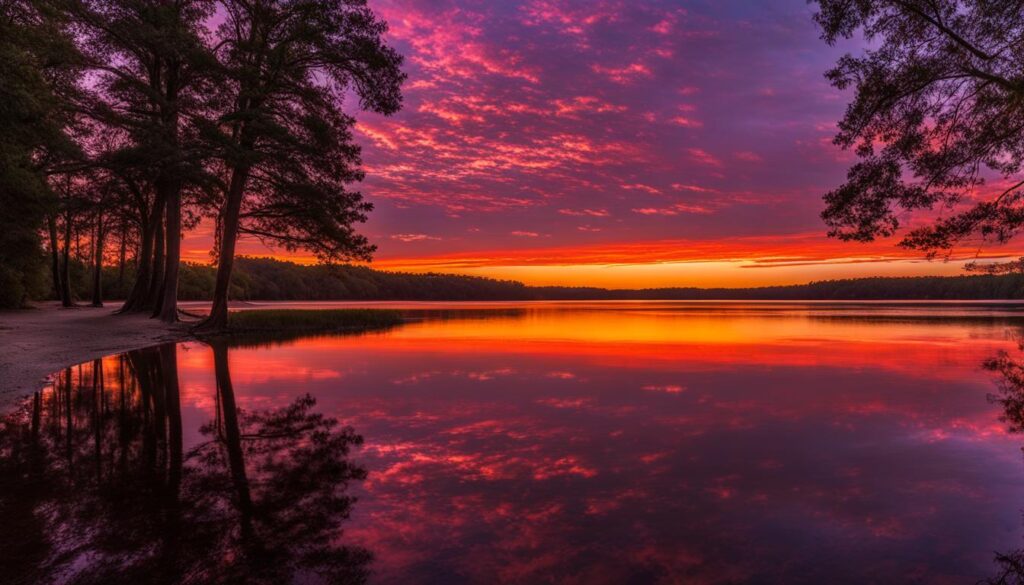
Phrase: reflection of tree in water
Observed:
(1009, 370)
(95, 486)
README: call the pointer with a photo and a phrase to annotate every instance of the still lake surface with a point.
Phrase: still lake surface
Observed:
(609, 442)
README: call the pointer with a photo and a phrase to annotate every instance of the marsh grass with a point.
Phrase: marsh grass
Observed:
(287, 320)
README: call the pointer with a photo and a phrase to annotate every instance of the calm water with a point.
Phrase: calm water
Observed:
(531, 443)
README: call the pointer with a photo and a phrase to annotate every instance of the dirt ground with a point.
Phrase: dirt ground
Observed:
(37, 342)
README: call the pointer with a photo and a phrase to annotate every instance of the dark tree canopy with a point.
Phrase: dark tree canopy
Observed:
(285, 140)
(290, 64)
(38, 72)
(125, 122)
(151, 70)
(937, 120)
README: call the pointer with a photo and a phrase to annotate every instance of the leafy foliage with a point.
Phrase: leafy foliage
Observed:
(37, 67)
(289, 65)
(938, 113)
(128, 121)
(285, 141)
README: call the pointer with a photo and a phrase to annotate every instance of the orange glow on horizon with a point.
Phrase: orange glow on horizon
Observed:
(729, 263)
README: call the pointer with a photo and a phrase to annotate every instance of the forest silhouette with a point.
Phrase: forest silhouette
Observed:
(267, 279)
(127, 123)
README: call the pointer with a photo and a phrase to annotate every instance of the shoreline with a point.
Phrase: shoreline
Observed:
(36, 342)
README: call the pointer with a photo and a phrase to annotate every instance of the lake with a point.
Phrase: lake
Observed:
(598, 442)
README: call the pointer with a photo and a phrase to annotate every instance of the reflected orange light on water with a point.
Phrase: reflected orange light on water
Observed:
(696, 336)
(603, 442)
(615, 416)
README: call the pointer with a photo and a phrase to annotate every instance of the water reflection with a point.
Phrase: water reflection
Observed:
(96, 485)
(1009, 370)
(583, 444)
(605, 445)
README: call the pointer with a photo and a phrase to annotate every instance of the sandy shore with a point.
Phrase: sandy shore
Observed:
(34, 343)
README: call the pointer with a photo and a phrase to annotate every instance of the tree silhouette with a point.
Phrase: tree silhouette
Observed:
(937, 112)
(285, 472)
(1009, 370)
(285, 142)
(151, 66)
(39, 71)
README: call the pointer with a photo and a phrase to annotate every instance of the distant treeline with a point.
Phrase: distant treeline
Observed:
(275, 280)
(977, 287)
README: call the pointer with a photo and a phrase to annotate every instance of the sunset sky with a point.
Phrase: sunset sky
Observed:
(614, 143)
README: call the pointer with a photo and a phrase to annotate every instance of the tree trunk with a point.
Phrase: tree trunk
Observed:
(141, 363)
(154, 289)
(167, 309)
(144, 261)
(218, 318)
(58, 289)
(69, 427)
(166, 306)
(97, 415)
(172, 499)
(97, 275)
(232, 435)
(65, 280)
(122, 256)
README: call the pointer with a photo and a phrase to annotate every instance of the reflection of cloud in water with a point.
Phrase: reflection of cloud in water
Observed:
(790, 455)
(809, 450)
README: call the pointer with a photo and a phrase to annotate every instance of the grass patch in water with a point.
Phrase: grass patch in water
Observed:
(312, 319)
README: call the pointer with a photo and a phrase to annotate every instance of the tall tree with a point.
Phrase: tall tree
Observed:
(142, 214)
(150, 63)
(38, 72)
(286, 145)
(104, 207)
(938, 112)
(99, 237)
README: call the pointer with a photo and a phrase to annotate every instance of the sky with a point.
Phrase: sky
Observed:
(612, 143)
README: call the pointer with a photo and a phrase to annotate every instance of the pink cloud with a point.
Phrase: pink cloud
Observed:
(413, 237)
(585, 212)
(626, 74)
(704, 157)
(448, 44)
(749, 156)
(695, 188)
(674, 209)
(589, 104)
(575, 20)
(664, 27)
(687, 122)
(642, 187)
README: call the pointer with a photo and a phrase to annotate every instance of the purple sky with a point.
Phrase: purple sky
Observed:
(612, 142)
